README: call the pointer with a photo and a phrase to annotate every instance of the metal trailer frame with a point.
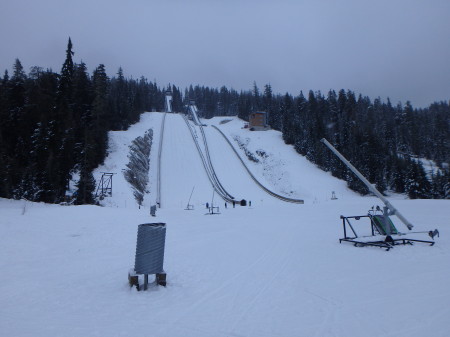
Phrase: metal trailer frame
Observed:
(388, 243)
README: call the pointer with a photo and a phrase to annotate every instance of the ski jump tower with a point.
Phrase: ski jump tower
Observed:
(168, 101)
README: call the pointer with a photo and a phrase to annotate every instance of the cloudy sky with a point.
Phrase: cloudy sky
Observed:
(389, 48)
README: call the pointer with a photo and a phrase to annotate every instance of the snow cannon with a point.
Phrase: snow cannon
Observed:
(380, 222)
(380, 231)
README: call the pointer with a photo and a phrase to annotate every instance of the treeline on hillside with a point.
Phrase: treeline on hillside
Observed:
(55, 125)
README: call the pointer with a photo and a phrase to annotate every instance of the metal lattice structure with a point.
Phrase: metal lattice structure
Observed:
(104, 188)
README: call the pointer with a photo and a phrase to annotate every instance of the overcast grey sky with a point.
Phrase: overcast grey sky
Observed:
(388, 48)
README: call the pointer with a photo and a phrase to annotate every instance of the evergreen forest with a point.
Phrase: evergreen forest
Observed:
(55, 125)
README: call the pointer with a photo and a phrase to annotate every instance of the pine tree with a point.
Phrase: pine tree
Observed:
(65, 83)
(417, 184)
(256, 98)
(13, 115)
(177, 99)
(99, 114)
(63, 143)
(85, 187)
(287, 111)
(244, 106)
(267, 103)
(17, 83)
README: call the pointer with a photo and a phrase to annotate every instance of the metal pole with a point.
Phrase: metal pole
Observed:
(387, 224)
(343, 225)
(370, 186)
(158, 179)
(190, 196)
(145, 281)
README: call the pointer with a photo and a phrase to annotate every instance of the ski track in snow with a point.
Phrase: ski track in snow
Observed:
(273, 269)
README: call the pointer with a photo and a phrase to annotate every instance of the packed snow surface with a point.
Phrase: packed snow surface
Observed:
(272, 269)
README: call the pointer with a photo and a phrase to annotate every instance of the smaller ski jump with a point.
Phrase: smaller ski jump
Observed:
(265, 189)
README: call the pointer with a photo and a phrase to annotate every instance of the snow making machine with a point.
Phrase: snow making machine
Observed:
(381, 231)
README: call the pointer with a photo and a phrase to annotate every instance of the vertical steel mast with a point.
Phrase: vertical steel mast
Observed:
(371, 187)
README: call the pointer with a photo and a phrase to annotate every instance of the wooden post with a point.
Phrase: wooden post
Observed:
(161, 279)
(133, 279)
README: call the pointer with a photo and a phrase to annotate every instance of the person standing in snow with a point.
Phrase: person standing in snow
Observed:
(207, 205)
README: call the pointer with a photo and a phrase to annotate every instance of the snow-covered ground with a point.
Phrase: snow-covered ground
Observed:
(273, 269)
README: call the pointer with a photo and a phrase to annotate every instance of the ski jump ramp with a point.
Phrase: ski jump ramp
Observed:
(193, 156)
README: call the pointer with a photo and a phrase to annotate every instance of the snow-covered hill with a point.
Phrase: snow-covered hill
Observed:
(272, 269)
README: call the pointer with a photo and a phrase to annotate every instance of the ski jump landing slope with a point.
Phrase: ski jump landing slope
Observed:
(282, 171)
(181, 167)
(232, 174)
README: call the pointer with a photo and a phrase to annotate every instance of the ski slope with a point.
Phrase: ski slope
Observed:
(231, 172)
(181, 168)
(282, 170)
(272, 269)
